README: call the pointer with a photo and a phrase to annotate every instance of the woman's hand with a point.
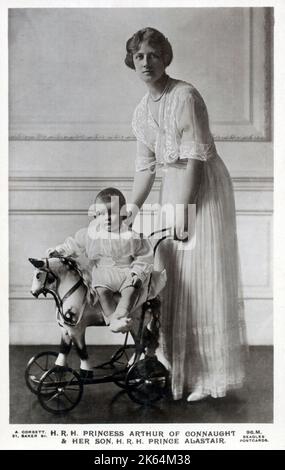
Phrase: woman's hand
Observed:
(181, 232)
(186, 211)
(180, 235)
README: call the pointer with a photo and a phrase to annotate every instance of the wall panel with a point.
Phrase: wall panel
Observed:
(71, 102)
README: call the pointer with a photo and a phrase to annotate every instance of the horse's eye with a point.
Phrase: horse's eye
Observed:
(38, 275)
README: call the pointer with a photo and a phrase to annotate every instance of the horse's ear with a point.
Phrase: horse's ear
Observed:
(38, 263)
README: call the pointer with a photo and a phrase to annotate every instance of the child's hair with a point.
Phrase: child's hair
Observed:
(106, 195)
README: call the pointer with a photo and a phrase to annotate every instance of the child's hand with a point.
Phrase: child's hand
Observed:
(136, 281)
(52, 253)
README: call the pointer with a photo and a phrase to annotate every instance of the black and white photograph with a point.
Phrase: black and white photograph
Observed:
(140, 164)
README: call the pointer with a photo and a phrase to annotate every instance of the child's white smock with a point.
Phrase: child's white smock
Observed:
(114, 256)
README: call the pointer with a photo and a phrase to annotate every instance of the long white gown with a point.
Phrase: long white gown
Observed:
(202, 319)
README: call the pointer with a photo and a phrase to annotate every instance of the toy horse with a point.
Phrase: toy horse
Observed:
(77, 305)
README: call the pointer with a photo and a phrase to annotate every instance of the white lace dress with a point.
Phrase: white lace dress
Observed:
(202, 325)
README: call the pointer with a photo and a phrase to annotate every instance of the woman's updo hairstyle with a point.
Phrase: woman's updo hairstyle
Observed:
(155, 38)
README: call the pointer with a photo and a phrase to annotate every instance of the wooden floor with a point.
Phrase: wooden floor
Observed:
(106, 403)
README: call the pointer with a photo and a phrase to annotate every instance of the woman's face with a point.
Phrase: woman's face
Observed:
(149, 63)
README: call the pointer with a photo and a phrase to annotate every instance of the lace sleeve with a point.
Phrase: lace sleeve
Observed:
(193, 126)
(145, 157)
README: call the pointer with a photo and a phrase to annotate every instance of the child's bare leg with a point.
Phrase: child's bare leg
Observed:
(129, 296)
(120, 321)
(106, 300)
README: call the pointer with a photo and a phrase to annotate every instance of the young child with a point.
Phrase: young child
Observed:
(123, 260)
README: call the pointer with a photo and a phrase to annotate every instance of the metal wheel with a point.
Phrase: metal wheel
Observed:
(36, 368)
(146, 381)
(60, 390)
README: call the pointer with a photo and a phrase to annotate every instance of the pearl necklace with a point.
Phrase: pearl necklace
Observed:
(163, 92)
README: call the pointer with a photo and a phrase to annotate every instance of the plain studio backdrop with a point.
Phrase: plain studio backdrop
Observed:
(71, 104)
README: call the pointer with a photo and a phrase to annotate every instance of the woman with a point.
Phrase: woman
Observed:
(202, 321)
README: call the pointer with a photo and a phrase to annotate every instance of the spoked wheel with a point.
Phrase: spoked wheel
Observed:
(37, 366)
(60, 390)
(146, 381)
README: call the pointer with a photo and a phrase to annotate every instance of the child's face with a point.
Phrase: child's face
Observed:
(108, 214)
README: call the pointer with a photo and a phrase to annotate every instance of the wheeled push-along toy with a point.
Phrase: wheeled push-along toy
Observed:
(133, 367)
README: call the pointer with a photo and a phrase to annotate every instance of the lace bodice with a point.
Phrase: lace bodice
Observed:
(181, 133)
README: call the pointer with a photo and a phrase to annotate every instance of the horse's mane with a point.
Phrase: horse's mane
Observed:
(84, 273)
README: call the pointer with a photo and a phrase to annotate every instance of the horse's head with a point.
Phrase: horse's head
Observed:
(45, 274)
(50, 273)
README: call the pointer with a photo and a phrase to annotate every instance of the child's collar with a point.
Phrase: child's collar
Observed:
(124, 232)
